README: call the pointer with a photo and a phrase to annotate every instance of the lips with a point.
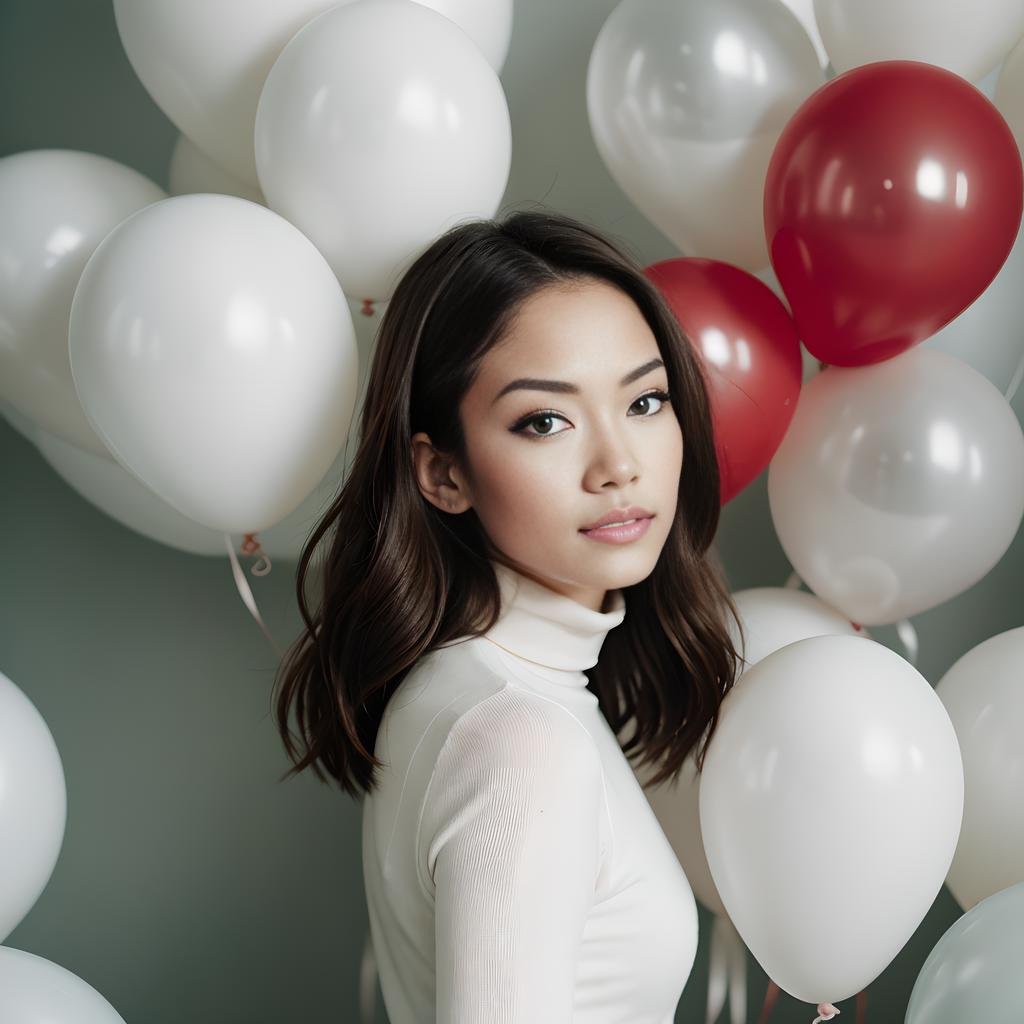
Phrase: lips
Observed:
(619, 515)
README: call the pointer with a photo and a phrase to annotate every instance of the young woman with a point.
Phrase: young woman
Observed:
(479, 642)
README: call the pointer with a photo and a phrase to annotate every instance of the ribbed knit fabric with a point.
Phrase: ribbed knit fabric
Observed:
(515, 872)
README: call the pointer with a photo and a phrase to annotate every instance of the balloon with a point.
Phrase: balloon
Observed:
(968, 39)
(56, 206)
(21, 423)
(830, 804)
(191, 170)
(686, 102)
(897, 485)
(111, 488)
(749, 346)
(204, 64)
(676, 808)
(772, 617)
(34, 990)
(973, 973)
(380, 126)
(983, 695)
(880, 186)
(33, 809)
(214, 352)
(989, 334)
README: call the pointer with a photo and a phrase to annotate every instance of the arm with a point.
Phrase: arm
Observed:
(512, 838)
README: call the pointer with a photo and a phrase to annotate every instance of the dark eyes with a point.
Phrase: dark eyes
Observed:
(547, 414)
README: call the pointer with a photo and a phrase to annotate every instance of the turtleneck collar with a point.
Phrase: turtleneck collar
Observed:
(549, 629)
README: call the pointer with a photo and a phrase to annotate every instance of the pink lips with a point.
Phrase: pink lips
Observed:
(618, 515)
(619, 534)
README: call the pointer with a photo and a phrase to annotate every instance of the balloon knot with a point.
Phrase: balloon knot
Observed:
(826, 1011)
(856, 625)
(251, 546)
(367, 309)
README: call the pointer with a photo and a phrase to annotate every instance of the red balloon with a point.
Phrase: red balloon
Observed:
(749, 346)
(892, 198)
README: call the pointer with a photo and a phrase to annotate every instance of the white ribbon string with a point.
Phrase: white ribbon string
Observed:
(367, 982)
(908, 637)
(261, 568)
(737, 977)
(718, 979)
(727, 972)
(1018, 375)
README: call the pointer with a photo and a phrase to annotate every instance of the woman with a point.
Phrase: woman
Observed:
(528, 382)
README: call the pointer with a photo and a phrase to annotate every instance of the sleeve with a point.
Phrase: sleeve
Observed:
(512, 832)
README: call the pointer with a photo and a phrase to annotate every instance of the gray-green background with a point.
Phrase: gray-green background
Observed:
(192, 885)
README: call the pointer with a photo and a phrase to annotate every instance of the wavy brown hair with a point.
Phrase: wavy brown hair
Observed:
(399, 576)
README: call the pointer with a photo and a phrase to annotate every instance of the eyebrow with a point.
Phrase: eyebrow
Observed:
(565, 388)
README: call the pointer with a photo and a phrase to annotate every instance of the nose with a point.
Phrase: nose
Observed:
(614, 463)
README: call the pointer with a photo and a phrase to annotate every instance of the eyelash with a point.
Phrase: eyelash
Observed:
(520, 427)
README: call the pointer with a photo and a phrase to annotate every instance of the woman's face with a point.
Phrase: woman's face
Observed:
(543, 463)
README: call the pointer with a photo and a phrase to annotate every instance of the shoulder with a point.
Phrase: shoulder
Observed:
(513, 768)
(515, 729)
(513, 745)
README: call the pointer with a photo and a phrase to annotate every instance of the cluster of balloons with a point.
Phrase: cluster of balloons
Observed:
(189, 362)
(33, 816)
(839, 793)
(900, 481)
(885, 192)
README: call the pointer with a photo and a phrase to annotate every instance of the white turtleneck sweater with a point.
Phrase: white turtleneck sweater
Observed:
(514, 869)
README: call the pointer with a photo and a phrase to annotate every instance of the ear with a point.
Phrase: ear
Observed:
(438, 476)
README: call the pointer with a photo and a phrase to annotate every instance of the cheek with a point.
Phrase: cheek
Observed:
(517, 491)
(512, 481)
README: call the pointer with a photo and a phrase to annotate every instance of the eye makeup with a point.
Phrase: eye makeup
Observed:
(520, 426)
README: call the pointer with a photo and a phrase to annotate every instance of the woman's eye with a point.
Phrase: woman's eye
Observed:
(549, 414)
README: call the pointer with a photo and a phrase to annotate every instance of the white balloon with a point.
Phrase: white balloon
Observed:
(380, 126)
(214, 352)
(686, 103)
(830, 805)
(898, 485)
(34, 990)
(56, 206)
(983, 692)
(204, 64)
(989, 334)
(112, 489)
(191, 170)
(772, 617)
(21, 423)
(33, 809)
(966, 38)
(775, 616)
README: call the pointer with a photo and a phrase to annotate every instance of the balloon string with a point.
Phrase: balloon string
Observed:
(251, 546)
(908, 637)
(771, 997)
(1018, 374)
(826, 1011)
(368, 982)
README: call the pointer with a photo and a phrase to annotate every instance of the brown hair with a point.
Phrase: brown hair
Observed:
(399, 576)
